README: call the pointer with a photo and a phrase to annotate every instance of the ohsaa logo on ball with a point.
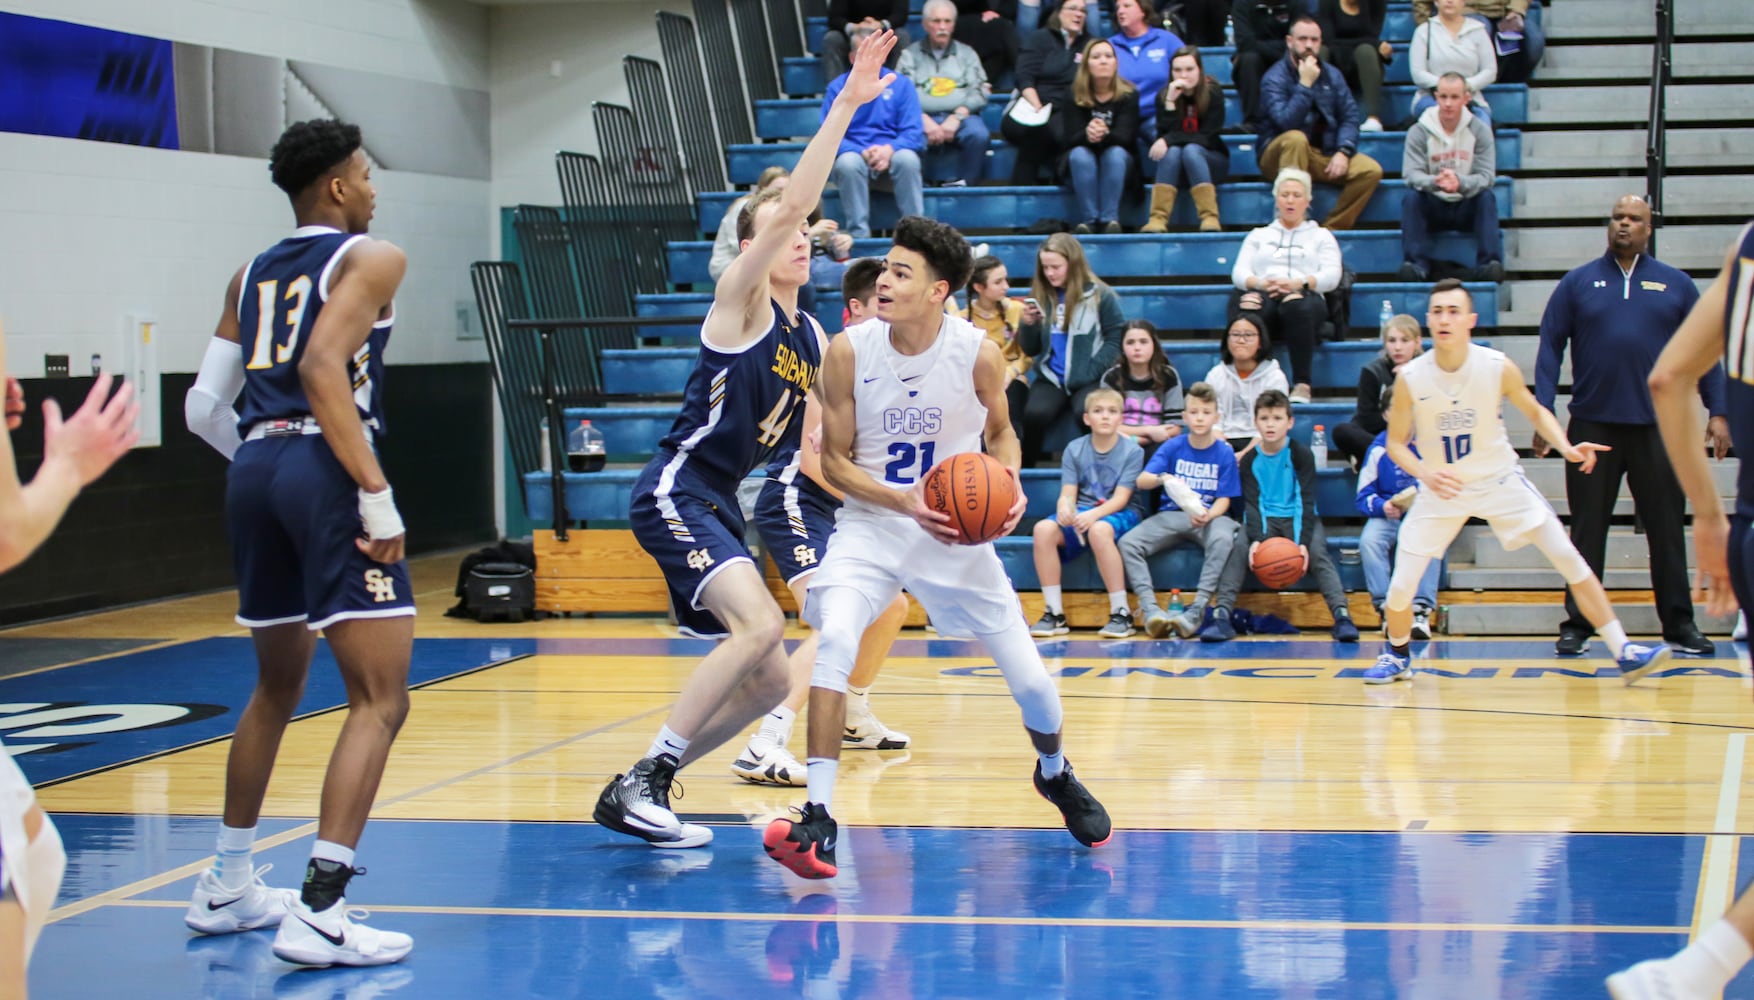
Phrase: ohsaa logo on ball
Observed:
(970, 497)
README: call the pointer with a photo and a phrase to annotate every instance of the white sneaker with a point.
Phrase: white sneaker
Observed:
(214, 909)
(1421, 624)
(1741, 632)
(775, 767)
(311, 984)
(1371, 124)
(333, 937)
(866, 732)
(1648, 981)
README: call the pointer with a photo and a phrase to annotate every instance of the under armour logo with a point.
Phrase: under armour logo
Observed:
(804, 555)
(699, 559)
(1601, 284)
(381, 587)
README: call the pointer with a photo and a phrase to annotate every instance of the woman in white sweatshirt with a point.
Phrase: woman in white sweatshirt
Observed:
(1452, 42)
(1283, 270)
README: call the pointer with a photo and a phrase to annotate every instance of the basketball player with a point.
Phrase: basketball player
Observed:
(1451, 399)
(316, 540)
(898, 393)
(758, 360)
(75, 453)
(1718, 327)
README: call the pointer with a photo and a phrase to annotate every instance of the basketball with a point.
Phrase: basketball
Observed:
(976, 490)
(1278, 563)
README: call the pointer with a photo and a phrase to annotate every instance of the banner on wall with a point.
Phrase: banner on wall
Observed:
(78, 82)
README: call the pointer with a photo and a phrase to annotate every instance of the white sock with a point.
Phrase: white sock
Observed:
(1052, 763)
(1117, 603)
(776, 729)
(819, 773)
(1051, 597)
(1713, 959)
(233, 856)
(668, 742)
(328, 850)
(1614, 634)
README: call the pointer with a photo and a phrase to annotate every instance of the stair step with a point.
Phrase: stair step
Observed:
(1563, 248)
(1634, 20)
(1543, 620)
(1592, 197)
(1609, 61)
(1690, 102)
(1626, 550)
(1623, 149)
(1467, 576)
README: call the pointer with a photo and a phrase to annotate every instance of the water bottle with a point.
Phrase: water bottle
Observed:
(542, 449)
(1318, 446)
(1230, 32)
(1388, 313)
(585, 451)
(1175, 603)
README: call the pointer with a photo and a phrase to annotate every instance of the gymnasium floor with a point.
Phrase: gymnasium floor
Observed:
(1507, 826)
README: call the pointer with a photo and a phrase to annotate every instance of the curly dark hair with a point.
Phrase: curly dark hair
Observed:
(947, 253)
(309, 149)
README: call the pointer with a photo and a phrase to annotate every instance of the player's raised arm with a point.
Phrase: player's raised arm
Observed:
(1002, 443)
(740, 299)
(1516, 391)
(208, 406)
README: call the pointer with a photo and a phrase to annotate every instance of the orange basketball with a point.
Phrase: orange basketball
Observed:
(976, 490)
(1278, 563)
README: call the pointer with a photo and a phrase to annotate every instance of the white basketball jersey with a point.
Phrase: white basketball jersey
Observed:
(913, 411)
(1458, 417)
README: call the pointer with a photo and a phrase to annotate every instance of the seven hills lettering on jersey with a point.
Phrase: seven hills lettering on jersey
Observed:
(794, 369)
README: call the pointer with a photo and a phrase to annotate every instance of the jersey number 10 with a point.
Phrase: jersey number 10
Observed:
(1457, 447)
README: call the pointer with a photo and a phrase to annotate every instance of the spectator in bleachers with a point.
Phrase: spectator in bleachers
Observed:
(884, 143)
(990, 28)
(1246, 368)
(991, 308)
(725, 248)
(1309, 121)
(1261, 28)
(1517, 35)
(872, 15)
(1149, 385)
(1097, 134)
(1188, 152)
(1203, 21)
(1353, 29)
(952, 89)
(1073, 342)
(1144, 50)
(1400, 344)
(1281, 273)
(1449, 165)
(1452, 42)
(1385, 491)
(1046, 67)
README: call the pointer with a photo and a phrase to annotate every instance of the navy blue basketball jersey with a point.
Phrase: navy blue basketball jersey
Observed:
(1739, 365)
(282, 293)
(738, 409)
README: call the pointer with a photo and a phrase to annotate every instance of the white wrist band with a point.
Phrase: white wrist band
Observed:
(378, 511)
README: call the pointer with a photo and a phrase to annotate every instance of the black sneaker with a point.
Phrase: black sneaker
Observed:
(1571, 643)
(1120, 626)
(1086, 819)
(804, 845)
(1049, 626)
(1687, 639)
(638, 804)
(1412, 270)
(1492, 271)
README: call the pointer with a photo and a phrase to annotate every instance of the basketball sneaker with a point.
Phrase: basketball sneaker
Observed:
(804, 845)
(1049, 626)
(638, 804)
(1086, 819)
(333, 937)
(1156, 621)
(1344, 630)
(1389, 668)
(867, 732)
(1638, 661)
(776, 766)
(1120, 626)
(214, 909)
(1650, 980)
(1421, 624)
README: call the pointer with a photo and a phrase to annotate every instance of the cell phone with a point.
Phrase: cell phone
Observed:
(1030, 301)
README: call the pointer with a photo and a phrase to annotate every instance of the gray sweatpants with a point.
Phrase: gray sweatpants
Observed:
(1166, 529)
(1320, 563)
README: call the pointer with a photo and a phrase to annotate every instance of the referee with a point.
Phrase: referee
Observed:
(1617, 312)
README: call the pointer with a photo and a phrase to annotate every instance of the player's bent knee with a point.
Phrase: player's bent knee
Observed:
(1409, 569)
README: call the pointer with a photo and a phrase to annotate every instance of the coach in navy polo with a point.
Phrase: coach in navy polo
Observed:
(1617, 312)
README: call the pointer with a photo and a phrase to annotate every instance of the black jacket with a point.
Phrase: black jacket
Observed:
(1328, 13)
(1049, 65)
(1123, 123)
(1171, 125)
(844, 12)
(1261, 26)
(1377, 374)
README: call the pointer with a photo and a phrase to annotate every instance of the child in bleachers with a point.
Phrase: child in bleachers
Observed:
(1149, 385)
(991, 309)
(1097, 474)
(1400, 344)
(1246, 368)
(1385, 491)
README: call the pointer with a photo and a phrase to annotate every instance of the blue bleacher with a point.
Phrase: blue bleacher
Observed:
(746, 162)
(1009, 208)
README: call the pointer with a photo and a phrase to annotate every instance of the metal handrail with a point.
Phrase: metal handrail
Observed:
(1656, 147)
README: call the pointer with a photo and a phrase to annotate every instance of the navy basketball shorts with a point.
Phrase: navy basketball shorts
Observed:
(1742, 559)
(693, 529)
(794, 523)
(292, 513)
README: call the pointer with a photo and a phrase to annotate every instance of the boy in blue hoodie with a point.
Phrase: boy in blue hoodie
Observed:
(1385, 491)
(884, 142)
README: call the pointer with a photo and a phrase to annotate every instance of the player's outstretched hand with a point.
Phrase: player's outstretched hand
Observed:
(99, 432)
(1444, 484)
(1018, 506)
(1584, 454)
(936, 522)
(867, 79)
(14, 404)
(1711, 541)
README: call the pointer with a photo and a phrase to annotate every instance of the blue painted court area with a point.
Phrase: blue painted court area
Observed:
(550, 910)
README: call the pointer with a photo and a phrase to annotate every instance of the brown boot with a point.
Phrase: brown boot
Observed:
(1162, 203)
(1206, 200)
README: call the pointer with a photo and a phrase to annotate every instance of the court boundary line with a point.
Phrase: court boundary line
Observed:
(1718, 870)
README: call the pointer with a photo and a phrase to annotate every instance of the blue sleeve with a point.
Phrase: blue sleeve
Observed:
(910, 133)
(1370, 499)
(1229, 479)
(1555, 332)
(1162, 457)
(1284, 98)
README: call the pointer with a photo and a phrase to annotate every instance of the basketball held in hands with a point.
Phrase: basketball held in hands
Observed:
(1278, 563)
(976, 490)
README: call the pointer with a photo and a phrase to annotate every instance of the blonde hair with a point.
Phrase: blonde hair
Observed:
(1293, 174)
(1408, 325)
(1104, 395)
(1083, 94)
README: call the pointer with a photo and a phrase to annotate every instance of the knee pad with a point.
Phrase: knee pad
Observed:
(1409, 570)
(1553, 542)
(842, 616)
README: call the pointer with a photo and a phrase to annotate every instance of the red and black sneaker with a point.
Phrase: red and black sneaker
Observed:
(805, 845)
(1086, 819)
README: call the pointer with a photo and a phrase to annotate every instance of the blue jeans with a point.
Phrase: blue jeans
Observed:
(970, 148)
(1423, 102)
(1028, 18)
(826, 272)
(1188, 165)
(1422, 212)
(1376, 548)
(852, 175)
(1098, 180)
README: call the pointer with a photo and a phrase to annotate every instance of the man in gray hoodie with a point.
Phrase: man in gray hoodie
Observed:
(1449, 163)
